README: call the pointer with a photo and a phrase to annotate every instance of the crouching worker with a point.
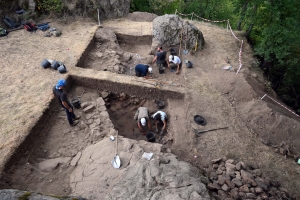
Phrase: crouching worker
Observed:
(142, 115)
(174, 63)
(64, 102)
(160, 117)
(142, 70)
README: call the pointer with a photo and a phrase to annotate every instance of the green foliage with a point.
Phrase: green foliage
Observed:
(210, 9)
(50, 5)
(159, 7)
(140, 5)
(25, 196)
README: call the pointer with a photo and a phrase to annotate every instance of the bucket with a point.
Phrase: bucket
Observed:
(150, 137)
(45, 64)
(76, 103)
(160, 104)
(161, 70)
(55, 65)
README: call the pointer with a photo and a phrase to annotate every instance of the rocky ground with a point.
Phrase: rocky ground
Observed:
(260, 134)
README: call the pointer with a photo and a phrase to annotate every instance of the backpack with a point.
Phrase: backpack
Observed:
(3, 32)
(29, 27)
(43, 27)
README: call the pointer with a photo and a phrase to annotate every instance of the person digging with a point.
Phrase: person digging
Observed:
(160, 117)
(174, 63)
(142, 115)
(142, 70)
(64, 102)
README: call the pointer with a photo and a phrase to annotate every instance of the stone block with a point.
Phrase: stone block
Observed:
(225, 187)
(258, 190)
(89, 108)
(237, 181)
(75, 159)
(216, 160)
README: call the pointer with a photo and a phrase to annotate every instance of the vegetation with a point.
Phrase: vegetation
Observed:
(50, 5)
(272, 28)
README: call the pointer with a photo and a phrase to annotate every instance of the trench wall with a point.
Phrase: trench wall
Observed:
(133, 39)
(128, 88)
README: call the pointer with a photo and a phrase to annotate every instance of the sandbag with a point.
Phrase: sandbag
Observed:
(45, 64)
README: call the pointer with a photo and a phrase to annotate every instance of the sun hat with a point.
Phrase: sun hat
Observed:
(170, 58)
(143, 121)
(199, 120)
(150, 69)
(61, 83)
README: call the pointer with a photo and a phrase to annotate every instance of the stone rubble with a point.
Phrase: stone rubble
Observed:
(230, 179)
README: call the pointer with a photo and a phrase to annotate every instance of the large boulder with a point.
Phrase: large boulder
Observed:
(109, 9)
(169, 29)
(11, 194)
(162, 177)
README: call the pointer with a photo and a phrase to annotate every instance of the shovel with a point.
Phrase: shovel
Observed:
(199, 132)
(185, 51)
(116, 162)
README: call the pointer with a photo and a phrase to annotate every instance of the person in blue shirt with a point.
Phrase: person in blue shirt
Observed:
(64, 102)
(142, 70)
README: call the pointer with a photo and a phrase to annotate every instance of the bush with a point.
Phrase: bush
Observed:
(51, 5)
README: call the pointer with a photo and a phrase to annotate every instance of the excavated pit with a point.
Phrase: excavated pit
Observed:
(47, 156)
(117, 54)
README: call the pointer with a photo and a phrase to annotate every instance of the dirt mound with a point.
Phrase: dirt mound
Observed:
(141, 17)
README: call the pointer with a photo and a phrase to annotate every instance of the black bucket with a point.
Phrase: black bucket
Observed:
(76, 103)
(160, 104)
(55, 65)
(150, 137)
(161, 70)
(45, 64)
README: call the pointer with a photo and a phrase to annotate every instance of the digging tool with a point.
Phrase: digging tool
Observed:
(116, 162)
(180, 40)
(156, 85)
(196, 43)
(164, 83)
(199, 132)
(185, 51)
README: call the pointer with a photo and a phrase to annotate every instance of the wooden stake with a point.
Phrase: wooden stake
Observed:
(180, 41)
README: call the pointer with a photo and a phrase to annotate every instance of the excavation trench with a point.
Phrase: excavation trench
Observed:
(48, 155)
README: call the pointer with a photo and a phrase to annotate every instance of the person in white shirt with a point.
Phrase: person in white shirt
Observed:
(160, 117)
(174, 63)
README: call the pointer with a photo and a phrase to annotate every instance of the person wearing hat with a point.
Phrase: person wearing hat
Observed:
(64, 102)
(142, 70)
(142, 115)
(160, 117)
(160, 57)
(174, 63)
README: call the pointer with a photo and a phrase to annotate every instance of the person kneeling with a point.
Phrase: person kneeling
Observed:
(174, 63)
(142, 70)
(160, 117)
(142, 115)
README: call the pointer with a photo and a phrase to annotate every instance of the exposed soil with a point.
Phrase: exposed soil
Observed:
(224, 98)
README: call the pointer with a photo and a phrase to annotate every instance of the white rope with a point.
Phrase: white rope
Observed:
(228, 27)
(279, 104)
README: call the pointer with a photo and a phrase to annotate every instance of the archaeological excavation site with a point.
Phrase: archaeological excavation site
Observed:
(240, 152)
